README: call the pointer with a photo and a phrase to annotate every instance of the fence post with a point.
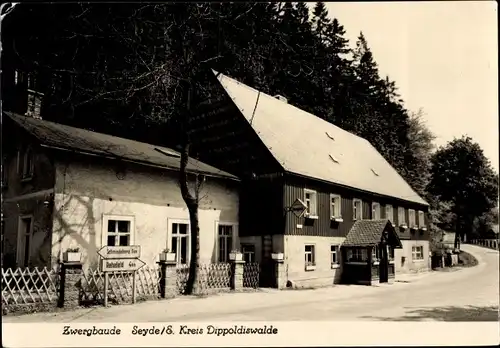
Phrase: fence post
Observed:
(168, 278)
(279, 269)
(237, 272)
(69, 292)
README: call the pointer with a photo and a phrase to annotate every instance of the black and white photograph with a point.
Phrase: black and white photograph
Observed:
(229, 173)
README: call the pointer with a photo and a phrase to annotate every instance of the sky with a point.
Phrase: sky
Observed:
(443, 57)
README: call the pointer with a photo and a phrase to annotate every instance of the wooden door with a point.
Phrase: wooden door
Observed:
(384, 264)
(267, 266)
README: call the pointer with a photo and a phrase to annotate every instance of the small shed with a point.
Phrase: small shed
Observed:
(368, 252)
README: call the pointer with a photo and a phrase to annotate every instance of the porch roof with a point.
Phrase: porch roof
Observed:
(369, 233)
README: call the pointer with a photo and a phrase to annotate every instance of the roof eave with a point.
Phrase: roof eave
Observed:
(142, 163)
(425, 204)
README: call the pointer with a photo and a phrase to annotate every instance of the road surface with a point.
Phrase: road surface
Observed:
(463, 294)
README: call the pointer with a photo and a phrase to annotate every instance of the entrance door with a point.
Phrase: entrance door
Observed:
(24, 241)
(384, 265)
(267, 271)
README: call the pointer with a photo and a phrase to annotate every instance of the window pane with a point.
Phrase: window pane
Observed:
(308, 248)
(124, 226)
(124, 240)
(175, 228)
(111, 240)
(183, 228)
(111, 226)
(183, 250)
(222, 249)
(174, 245)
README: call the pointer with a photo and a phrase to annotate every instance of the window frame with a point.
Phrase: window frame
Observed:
(354, 210)
(171, 235)
(352, 252)
(373, 205)
(104, 228)
(252, 252)
(335, 207)
(412, 222)
(234, 235)
(312, 265)
(402, 217)
(417, 250)
(336, 252)
(27, 174)
(421, 219)
(390, 216)
(313, 203)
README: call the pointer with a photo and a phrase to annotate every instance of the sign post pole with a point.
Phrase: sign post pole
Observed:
(120, 259)
(106, 279)
(134, 285)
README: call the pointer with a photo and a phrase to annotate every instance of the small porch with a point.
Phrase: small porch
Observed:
(368, 252)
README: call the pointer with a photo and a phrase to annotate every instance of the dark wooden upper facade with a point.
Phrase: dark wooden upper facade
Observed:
(223, 138)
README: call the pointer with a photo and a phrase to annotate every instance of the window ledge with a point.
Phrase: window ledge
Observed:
(391, 262)
(418, 260)
(337, 219)
(311, 217)
(310, 267)
(357, 263)
(376, 263)
(26, 179)
(423, 228)
(335, 265)
(403, 226)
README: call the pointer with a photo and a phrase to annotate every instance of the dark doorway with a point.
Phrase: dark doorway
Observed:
(384, 265)
(267, 271)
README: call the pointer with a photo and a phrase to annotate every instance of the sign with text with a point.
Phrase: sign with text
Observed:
(298, 207)
(120, 252)
(120, 265)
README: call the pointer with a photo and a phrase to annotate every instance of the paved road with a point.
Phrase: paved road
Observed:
(460, 295)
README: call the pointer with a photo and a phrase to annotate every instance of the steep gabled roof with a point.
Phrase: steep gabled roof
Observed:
(310, 146)
(59, 136)
(369, 233)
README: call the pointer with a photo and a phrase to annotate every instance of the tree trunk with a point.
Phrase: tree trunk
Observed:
(191, 199)
(193, 282)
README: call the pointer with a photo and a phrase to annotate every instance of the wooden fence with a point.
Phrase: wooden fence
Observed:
(40, 289)
(120, 285)
(487, 243)
(29, 287)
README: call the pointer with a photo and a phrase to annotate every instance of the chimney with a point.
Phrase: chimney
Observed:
(34, 99)
(34, 104)
(280, 97)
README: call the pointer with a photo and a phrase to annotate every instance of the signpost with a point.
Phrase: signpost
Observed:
(120, 259)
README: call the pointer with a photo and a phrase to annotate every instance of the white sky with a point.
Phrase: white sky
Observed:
(443, 57)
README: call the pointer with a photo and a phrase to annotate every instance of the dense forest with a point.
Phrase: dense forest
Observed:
(113, 68)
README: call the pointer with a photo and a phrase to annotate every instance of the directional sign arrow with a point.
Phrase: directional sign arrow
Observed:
(116, 265)
(120, 252)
